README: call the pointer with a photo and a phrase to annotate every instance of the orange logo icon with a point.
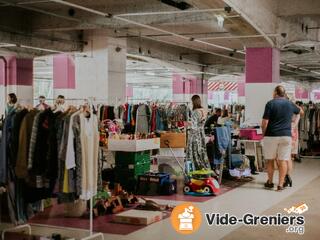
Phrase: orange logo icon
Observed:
(186, 218)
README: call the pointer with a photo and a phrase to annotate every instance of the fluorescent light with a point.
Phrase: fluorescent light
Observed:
(40, 49)
(150, 74)
(2, 45)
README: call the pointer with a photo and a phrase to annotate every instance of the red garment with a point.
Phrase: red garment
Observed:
(105, 113)
(154, 118)
(125, 115)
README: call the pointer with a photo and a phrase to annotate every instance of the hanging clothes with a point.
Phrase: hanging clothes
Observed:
(142, 119)
(90, 155)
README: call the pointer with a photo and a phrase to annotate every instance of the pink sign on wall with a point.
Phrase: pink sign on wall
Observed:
(63, 72)
(188, 84)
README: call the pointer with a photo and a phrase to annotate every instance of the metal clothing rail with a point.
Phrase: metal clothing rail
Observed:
(92, 235)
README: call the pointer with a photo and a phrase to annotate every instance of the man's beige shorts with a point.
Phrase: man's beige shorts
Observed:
(277, 148)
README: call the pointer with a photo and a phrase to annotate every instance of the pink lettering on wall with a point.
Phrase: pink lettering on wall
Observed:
(63, 72)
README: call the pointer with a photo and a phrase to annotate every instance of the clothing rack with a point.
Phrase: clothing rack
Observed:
(91, 234)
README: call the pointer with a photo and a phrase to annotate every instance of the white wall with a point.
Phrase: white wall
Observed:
(257, 95)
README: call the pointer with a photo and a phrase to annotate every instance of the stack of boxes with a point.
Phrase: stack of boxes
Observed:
(129, 165)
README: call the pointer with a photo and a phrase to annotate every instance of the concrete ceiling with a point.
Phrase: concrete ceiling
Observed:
(41, 27)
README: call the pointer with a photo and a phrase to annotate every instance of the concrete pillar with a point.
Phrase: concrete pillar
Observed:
(99, 72)
(16, 76)
(262, 75)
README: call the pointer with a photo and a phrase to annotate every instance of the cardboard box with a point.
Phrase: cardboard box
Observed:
(138, 217)
(176, 140)
(133, 145)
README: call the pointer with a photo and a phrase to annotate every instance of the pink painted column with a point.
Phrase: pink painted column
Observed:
(16, 77)
(262, 74)
(185, 86)
(64, 82)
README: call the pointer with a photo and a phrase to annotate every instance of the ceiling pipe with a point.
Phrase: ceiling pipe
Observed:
(239, 37)
(251, 22)
(140, 24)
(171, 12)
(83, 8)
(195, 49)
(254, 25)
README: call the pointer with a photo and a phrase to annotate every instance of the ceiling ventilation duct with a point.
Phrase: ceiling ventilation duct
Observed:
(300, 47)
(181, 5)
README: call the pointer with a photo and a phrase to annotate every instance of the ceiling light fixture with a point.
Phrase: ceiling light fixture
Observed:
(220, 20)
(40, 49)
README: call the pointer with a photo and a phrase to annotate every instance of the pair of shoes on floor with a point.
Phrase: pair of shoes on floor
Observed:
(287, 181)
(268, 185)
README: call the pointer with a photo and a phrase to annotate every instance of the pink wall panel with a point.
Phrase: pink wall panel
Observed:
(210, 95)
(182, 84)
(25, 72)
(262, 65)
(241, 89)
(19, 71)
(316, 95)
(177, 84)
(2, 72)
(301, 93)
(63, 72)
(226, 95)
(129, 91)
